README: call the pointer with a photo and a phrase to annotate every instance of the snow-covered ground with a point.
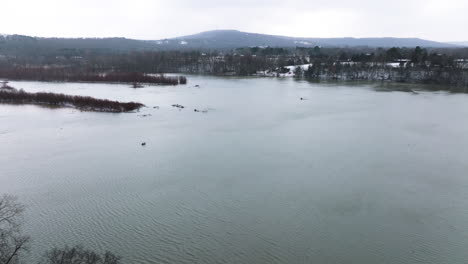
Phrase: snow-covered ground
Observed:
(394, 64)
(161, 42)
(292, 68)
(302, 42)
(290, 73)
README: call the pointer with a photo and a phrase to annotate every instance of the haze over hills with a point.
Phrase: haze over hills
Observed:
(209, 40)
(228, 39)
(460, 43)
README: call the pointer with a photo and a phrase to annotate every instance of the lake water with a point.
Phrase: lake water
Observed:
(350, 175)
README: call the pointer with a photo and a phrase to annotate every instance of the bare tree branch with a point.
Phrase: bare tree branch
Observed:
(12, 242)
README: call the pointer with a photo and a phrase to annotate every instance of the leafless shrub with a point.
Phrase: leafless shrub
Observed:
(12, 242)
(78, 255)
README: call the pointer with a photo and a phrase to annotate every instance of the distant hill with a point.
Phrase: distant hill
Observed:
(460, 43)
(25, 45)
(228, 39)
(18, 45)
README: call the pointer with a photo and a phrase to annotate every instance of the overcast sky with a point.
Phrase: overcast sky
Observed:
(155, 19)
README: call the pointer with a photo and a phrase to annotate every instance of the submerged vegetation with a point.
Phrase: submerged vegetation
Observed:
(67, 74)
(84, 103)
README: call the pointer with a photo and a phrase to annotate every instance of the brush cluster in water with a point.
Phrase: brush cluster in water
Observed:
(86, 103)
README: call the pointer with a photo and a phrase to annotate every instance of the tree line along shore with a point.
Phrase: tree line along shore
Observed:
(73, 74)
(446, 66)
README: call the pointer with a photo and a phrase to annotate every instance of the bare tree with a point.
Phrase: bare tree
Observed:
(12, 242)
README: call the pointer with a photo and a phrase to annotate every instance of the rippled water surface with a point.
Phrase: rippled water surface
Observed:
(350, 175)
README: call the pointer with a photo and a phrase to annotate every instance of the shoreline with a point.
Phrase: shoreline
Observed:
(77, 75)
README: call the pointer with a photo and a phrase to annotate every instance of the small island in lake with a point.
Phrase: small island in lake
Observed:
(84, 103)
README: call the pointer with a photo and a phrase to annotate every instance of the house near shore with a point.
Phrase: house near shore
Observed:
(461, 63)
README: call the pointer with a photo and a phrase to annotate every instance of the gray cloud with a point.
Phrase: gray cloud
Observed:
(154, 19)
